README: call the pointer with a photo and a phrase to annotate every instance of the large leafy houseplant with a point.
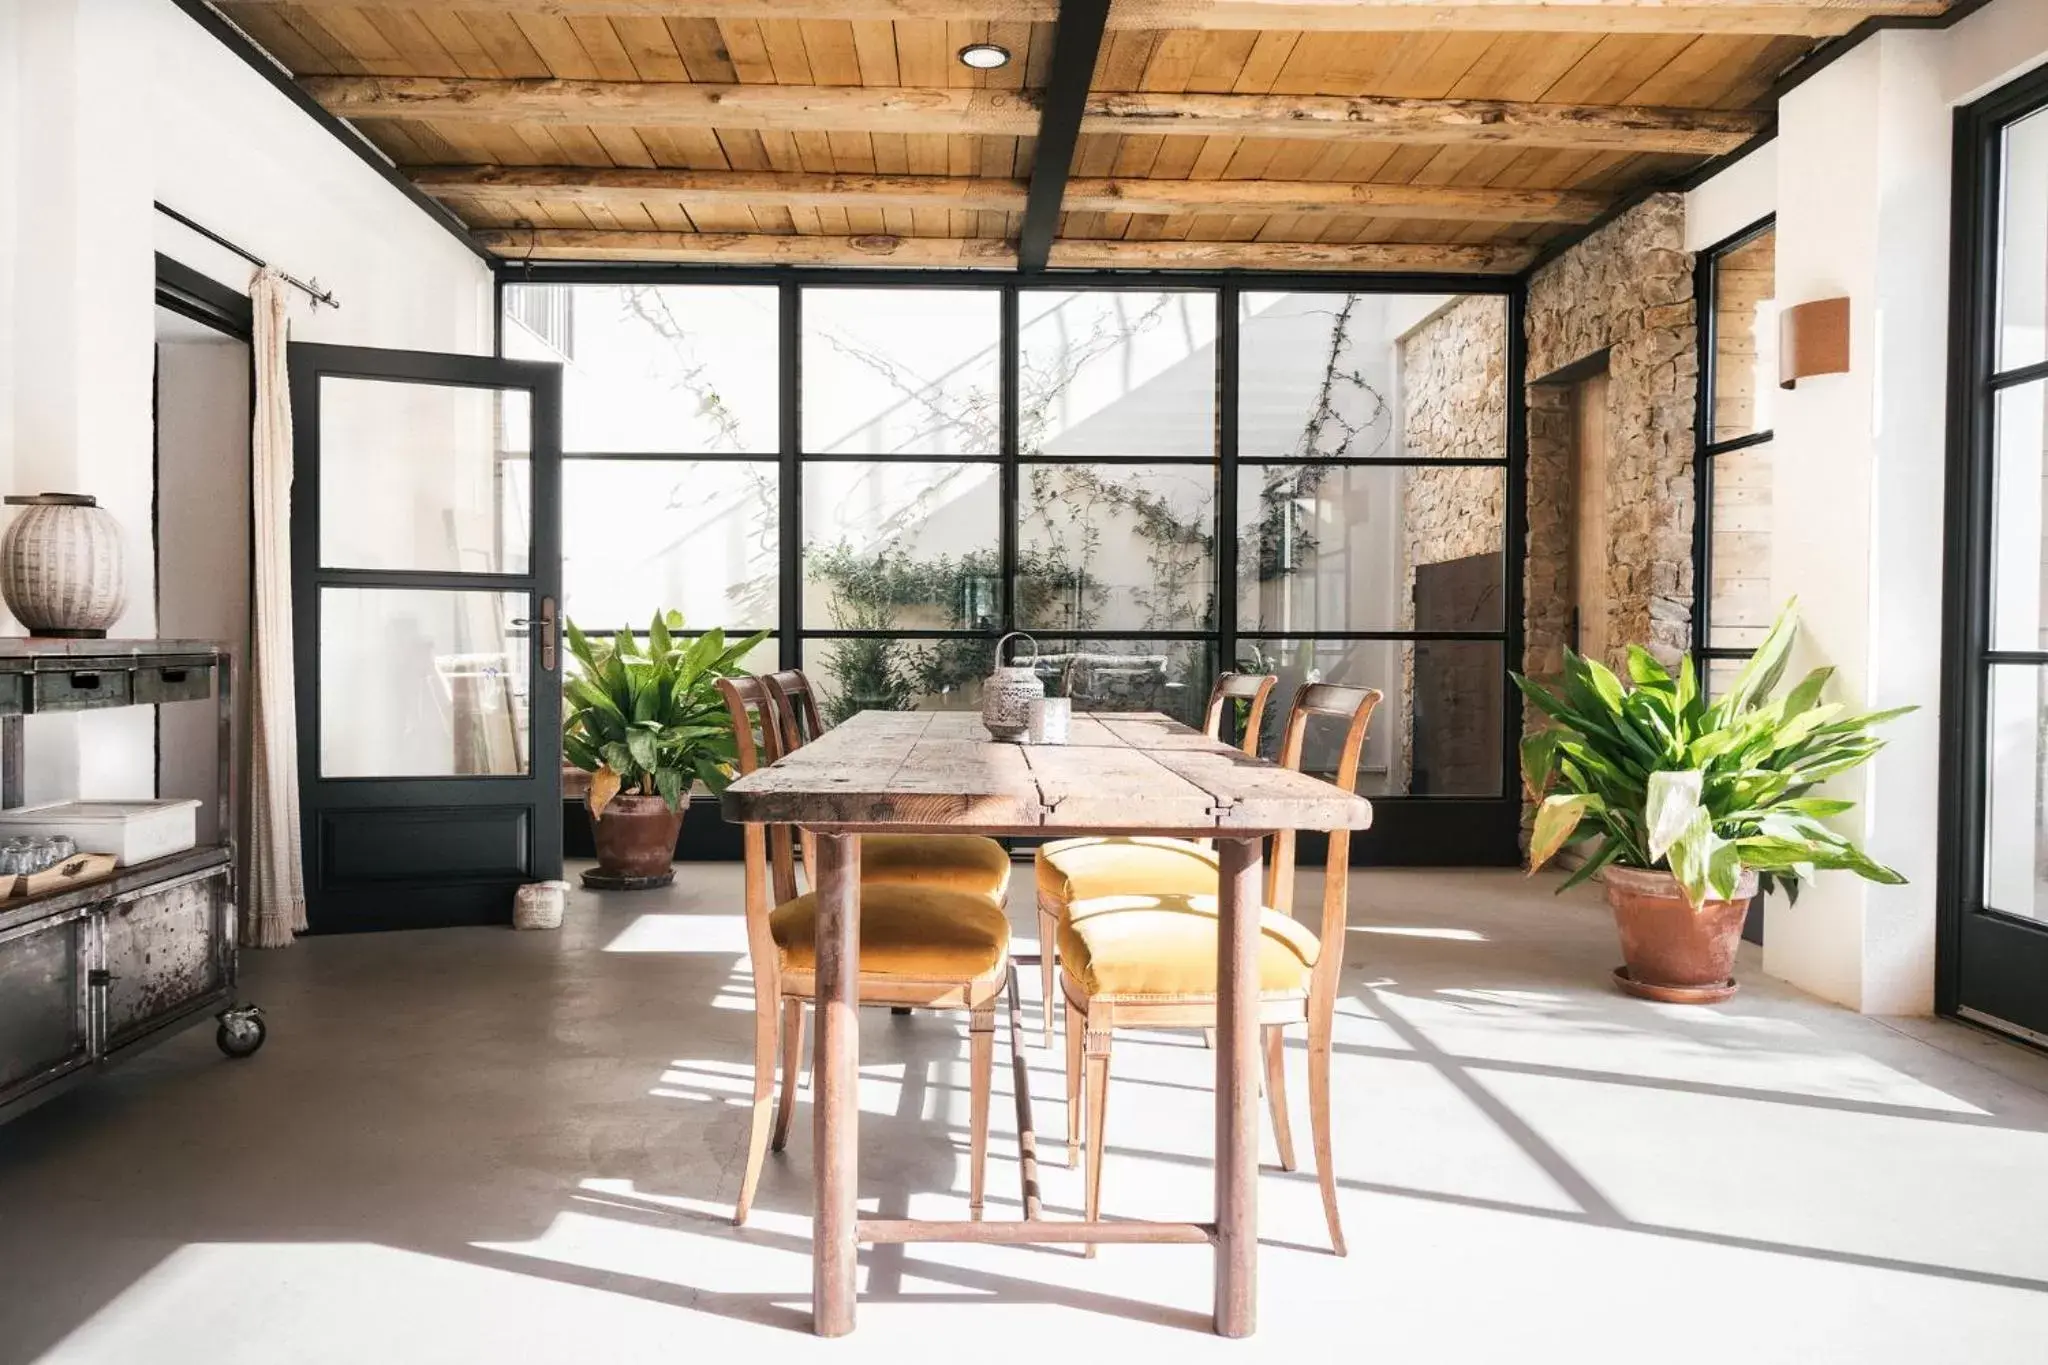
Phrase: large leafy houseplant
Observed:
(1663, 778)
(648, 720)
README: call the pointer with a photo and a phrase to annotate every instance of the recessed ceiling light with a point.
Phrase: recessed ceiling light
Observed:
(984, 56)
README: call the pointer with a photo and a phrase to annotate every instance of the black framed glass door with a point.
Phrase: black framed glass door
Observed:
(1994, 958)
(426, 572)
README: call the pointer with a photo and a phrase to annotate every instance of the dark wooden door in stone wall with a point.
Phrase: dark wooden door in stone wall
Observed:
(1458, 683)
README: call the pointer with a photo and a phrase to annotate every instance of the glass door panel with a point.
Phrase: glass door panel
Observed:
(423, 683)
(431, 473)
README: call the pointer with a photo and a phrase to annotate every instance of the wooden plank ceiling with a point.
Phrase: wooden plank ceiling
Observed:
(1257, 134)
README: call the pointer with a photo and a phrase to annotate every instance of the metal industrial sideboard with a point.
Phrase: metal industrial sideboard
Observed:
(91, 974)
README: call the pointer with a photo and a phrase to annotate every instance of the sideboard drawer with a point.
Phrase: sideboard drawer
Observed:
(172, 682)
(81, 690)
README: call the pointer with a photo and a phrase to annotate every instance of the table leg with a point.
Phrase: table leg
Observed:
(1237, 1087)
(835, 1085)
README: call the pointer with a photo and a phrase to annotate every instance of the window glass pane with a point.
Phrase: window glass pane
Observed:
(1436, 733)
(1745, 337)
(1377, 547)
(422, 684)
(901, 546)
(1116, 547)
(1740, 605)
(416, 476)
(683, 368)
(901, 371)
(695, 536)
(1102, 372)
(2015, 829)
(1173, 676)
(2019, 549)
(893, 673)
(1351, 376)
(2023, 252)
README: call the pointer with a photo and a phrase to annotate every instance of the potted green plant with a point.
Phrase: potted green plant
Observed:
(647, 723)
(1692, 805)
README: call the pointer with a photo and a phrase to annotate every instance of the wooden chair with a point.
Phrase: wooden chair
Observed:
(957, 862)
(921, 946)
(1140, 959)
(1067, 870)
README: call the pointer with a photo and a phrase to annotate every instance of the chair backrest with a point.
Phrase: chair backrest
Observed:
(1250, 688)
(796, 708)
(797, 702)
(1353, 707)
(770, 869)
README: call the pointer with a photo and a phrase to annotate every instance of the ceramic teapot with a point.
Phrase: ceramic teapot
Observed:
(1007, 694)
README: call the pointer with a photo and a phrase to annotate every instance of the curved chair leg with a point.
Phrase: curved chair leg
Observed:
(1096, 1056)
(1321, 1025)
(1048, 949)
(766, 1010)
(1276, 1094)
(981, 1036)
(792, 1068)
(1075, 1022)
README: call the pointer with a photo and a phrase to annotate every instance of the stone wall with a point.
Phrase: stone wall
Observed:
(1627, 291)
(1454, 407)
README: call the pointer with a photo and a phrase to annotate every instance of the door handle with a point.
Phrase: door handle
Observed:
(548, 635)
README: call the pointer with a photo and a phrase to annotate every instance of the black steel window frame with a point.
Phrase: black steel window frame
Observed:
(1968, 652)
(1496, 824)
(1705, 447)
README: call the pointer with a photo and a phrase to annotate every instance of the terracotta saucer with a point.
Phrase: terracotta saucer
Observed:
(605, 881)
(1674, 995)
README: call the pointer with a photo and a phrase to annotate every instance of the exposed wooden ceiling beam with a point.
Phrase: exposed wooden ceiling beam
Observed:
(615, 187)
(745, 248)
(1076, 42)
(1014, 113)
(1362, 256)
(1814, 18)
(736, 248)
(1586, 127)
(652, 104)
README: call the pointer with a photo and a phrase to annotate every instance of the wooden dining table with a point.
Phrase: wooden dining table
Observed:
(938, 772)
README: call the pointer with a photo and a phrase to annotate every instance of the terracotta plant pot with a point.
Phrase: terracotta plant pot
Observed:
(1673, 952)
(636, 843)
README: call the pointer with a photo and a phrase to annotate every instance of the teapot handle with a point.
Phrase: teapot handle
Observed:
(1015, 634)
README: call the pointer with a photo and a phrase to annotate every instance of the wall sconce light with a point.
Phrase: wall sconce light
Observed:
(1813, 339)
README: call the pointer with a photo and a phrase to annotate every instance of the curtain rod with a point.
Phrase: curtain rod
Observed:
(312, 288)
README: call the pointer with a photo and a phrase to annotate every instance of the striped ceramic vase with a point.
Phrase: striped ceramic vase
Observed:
(60, 566)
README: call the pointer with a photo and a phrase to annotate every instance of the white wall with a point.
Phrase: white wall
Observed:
(1739, 196)
(202, 442)
(1863, 202)
(105, 107)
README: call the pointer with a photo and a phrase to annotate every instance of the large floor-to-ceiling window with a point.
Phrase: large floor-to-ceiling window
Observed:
(1157, 479)
(1995, 701)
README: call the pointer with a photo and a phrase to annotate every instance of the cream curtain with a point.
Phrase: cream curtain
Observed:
(274, 903)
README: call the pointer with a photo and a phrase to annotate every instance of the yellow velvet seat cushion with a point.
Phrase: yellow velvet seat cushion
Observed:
(916, 932)
(1163, 947)
(953, 862)
(1072, 870)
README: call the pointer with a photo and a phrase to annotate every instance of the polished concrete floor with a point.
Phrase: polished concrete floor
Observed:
(481, 1145)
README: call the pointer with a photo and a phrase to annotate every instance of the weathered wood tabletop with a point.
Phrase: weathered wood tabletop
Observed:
(1133, 772)
(939, 772)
